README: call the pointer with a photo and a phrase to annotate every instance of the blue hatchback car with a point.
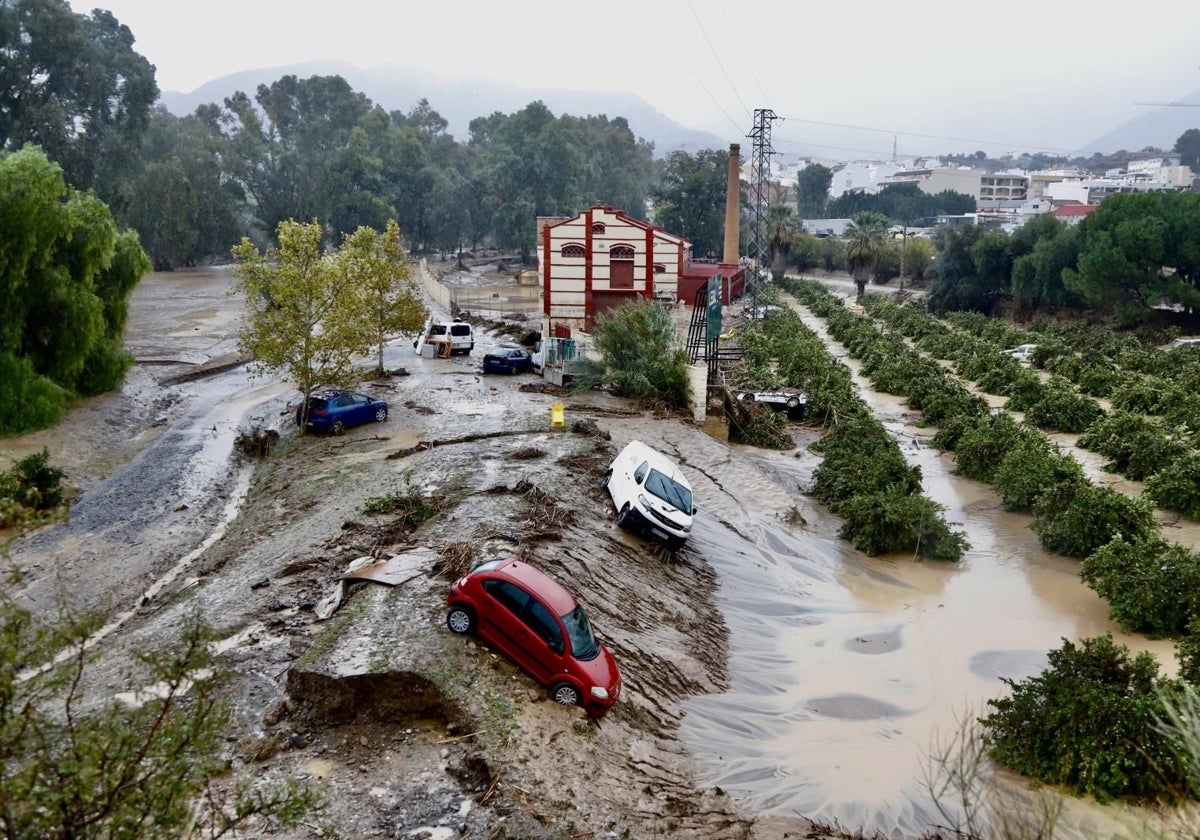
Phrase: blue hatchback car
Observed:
(336, 411)
(507, 360)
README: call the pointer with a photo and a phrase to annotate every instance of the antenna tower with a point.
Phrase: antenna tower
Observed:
(760, 195)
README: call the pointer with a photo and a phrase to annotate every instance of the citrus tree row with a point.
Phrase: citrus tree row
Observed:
(863, 476)
(1088, 722)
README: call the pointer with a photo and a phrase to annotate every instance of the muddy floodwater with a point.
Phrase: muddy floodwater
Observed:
(849, 673)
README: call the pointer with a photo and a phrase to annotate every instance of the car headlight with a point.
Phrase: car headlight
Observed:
(600, 692)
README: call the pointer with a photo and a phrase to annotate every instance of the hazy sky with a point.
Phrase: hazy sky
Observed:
(1050, 74)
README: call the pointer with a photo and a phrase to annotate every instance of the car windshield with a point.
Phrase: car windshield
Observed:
(579, 630)
(670, 491)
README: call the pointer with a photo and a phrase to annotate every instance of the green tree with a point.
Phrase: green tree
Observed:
(812, 191)
(974, 269)
(377, 263)
(66, 274)
(1137, 251)
(288, 147)
(182, 203)
(918, 256)
(1187, 146)
(639, 355)
(902, 202)
(865, 239)
(781, 235)
(1087, 723)
(73, 85)
(689, 198)
(530, 164)
(304, 312)
(75, 766)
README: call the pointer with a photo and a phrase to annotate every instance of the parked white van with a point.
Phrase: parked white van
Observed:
(457, 334)
(649, 491)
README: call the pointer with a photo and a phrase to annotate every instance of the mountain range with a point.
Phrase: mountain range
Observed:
(1159, 128)
(459, 100)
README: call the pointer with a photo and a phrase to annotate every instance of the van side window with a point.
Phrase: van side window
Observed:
(640, 473)
(511, 596)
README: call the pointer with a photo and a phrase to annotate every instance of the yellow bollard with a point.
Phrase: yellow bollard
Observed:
(556, 416)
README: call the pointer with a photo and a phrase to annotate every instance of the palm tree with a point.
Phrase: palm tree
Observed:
(781, 230)
(866, 237)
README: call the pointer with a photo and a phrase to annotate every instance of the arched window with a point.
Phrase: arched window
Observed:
(659, 268)
(597, 228)
(574, 251)
(621, 252)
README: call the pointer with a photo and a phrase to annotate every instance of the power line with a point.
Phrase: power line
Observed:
(1006, 144)
(717, 56)
(745, 59)
(688, 64)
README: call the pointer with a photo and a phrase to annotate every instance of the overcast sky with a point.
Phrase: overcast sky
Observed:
(1050, 74)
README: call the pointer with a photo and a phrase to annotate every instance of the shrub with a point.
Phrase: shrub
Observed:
(1060, 408)
(1177, 486)
(1151, 586)
(640, 356)
(1029, 468)
(1097, 380)
(1136, 446)
(1136, 394)
(879, 523)
(27, 401)
(981, 448)
(861, 459)
(1026, 390)
(1087, 723)
(1076, 517)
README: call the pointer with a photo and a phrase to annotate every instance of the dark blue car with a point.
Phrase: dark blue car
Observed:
(336, 411)
(507, 360)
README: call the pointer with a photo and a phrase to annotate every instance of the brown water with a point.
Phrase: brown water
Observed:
(847, 670)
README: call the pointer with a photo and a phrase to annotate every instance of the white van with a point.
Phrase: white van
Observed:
(458, 334)
(649, 490)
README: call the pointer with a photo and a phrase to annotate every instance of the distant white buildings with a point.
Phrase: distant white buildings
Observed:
(1008, 198)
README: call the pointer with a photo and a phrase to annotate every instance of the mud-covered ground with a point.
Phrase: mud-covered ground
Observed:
(404, 728)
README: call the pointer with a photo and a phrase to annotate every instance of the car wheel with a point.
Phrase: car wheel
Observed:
(460, 619)
(380, 414)
(674, 544)
(338, 428)
(747, 398)
(607, 478)
(624, 516)
(565, 694)
(793, 403)
(513, 370)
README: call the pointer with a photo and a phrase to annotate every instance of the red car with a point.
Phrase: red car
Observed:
(539, 625)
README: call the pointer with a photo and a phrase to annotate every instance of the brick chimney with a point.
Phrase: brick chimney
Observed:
(733, 194)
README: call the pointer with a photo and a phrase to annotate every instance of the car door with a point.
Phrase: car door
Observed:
(502, 625)
(361, 409)
(544, 642)
(342, 407)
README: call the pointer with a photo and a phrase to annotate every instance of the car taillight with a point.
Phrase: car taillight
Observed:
(318, 414)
